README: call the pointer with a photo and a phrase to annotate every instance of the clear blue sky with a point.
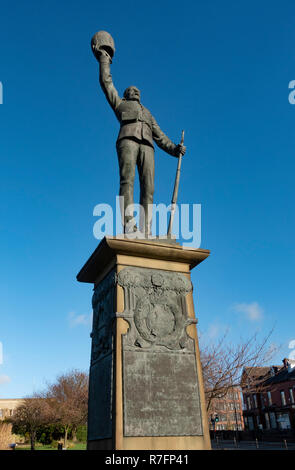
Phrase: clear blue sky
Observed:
(219, 70)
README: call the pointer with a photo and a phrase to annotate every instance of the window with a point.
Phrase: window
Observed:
(273, 421)
(269, 398)
(250, 423)
(220, 427)
(283, 421)
(267, 423)
(249, 403)
(255, 400)
(258, 420)
(291, 393)
(283, 398)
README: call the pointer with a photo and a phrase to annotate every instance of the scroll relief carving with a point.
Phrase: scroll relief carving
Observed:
(103, 318)
(155, 308)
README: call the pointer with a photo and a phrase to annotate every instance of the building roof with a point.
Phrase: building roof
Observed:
(257, 374)
(283, 375)
(10, 399)
(265, 376)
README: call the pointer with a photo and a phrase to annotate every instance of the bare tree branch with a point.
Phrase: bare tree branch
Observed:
(223, 363)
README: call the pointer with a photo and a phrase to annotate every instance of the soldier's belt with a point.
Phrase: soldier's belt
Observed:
(125, 122)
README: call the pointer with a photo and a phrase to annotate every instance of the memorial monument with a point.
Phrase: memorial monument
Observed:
(145, 386)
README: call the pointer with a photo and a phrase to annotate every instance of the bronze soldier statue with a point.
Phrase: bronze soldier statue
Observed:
(135, 147)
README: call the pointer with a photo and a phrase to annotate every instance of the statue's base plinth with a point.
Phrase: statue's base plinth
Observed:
(145, 387)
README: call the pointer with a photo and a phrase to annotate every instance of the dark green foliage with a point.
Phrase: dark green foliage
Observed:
(48, 433)
(81, 433)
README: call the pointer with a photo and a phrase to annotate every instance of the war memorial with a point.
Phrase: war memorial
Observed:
(146, 387)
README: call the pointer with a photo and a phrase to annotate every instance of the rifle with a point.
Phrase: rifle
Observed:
(175, 190)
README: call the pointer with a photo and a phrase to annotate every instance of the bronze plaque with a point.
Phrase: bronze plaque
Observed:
(161, 395)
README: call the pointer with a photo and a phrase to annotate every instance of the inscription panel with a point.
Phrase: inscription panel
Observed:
(161, 395)
(100, 400)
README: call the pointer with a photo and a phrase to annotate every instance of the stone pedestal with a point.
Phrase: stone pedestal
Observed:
(146, 387)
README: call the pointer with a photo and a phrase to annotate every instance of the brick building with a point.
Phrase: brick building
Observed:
(229, 410)
(269, 397)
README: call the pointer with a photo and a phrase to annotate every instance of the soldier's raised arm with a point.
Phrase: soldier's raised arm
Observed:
(105, 80)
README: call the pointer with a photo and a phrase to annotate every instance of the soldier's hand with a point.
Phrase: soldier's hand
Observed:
(180, 150)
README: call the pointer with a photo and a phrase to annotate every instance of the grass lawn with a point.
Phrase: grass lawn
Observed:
(76, 446)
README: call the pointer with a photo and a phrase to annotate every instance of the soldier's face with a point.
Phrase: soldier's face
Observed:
(132, 93)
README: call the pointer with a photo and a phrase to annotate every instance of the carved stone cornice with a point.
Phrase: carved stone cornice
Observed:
(110, 247)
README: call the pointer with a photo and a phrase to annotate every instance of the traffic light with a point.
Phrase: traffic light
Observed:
(216, 419)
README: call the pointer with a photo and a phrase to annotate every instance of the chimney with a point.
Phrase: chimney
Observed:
(286, 363)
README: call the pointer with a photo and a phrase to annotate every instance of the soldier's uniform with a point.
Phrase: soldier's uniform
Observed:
(135, 145)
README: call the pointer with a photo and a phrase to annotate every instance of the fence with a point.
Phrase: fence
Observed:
(255, 440)
(265, 436)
